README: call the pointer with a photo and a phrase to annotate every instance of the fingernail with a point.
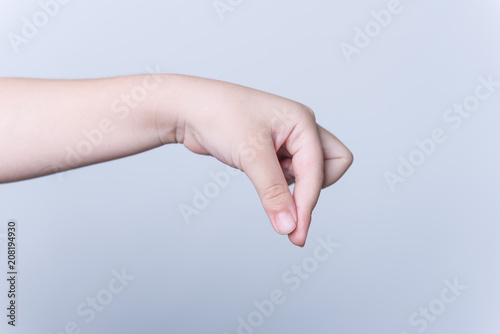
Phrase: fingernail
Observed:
(285, 223)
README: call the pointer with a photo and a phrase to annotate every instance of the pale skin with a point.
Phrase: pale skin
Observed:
(273, 140)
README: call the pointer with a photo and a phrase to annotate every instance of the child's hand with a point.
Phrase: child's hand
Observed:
(48, 126)
(273, 140)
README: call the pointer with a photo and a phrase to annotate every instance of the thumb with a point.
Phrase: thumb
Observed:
(265, 172)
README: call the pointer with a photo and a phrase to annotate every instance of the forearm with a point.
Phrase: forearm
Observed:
(47, 126)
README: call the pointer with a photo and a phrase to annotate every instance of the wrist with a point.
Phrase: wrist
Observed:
(164, 109)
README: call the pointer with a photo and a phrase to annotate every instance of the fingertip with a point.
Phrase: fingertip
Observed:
(299, 236)
(300, 242)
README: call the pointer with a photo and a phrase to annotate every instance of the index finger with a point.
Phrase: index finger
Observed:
(304, 145)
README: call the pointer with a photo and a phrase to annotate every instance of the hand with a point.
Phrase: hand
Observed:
(275, 141)
(56, 125)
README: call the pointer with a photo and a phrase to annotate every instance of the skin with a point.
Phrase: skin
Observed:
(273, 140)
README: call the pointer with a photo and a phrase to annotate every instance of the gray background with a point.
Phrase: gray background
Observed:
(396, 248)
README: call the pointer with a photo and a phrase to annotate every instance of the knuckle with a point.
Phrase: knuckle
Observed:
(308, 113)
(276, 195)
(348, 157)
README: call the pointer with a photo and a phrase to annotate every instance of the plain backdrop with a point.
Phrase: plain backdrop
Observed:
(396, 248)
